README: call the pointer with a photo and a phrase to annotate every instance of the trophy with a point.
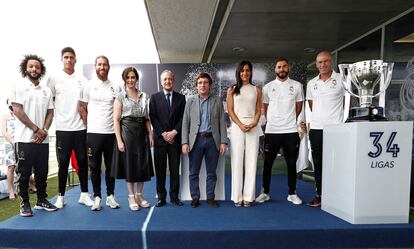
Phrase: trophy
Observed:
(369, 78)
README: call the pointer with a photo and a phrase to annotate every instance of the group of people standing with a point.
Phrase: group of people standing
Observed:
(99, 118)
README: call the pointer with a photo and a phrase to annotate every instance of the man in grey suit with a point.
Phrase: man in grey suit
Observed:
(204, 134)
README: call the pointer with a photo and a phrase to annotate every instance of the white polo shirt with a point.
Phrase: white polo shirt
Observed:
(100, 96)
(36, 100)
(67, 90)
(328, 101)
(281, 98)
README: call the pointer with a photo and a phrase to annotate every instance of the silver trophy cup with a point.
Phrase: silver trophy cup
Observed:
(366, 80)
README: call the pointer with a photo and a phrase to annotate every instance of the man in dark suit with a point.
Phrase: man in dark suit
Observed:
(166, 114)
(204, 135)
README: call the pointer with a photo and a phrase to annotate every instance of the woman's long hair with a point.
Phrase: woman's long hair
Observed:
(239, 82)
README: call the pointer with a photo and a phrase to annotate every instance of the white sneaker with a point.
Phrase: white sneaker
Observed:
(262, 198)
(97, 204)
(294, 199)
(85, 199)
(60, 202)
(111, 202)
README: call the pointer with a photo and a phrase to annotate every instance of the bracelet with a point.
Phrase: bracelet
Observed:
(37, 129)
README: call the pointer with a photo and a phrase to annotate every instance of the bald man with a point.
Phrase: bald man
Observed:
(325, 95)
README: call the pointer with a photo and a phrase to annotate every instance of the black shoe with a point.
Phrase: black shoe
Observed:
(213, 203)
(195, 203)
(25, 209)
(177, 202)
(316, 202)
(160, 203)
(45, 205)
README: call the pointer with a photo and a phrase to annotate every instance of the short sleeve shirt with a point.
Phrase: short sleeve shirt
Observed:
(134, 108)
(281, 97)
(327, 97)
(67, 90)
(100, 96)
(36, 101)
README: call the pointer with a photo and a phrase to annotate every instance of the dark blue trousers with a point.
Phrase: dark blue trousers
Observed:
(204, 147)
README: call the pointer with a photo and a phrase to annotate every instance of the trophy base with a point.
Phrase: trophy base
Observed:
(363, 114)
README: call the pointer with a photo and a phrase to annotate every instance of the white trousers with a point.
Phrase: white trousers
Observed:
(244, 151)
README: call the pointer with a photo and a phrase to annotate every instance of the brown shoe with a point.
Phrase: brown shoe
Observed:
(213, 203)
(195, 203)
(177, 202)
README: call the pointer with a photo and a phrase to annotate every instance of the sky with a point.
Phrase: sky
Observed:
(118, 29)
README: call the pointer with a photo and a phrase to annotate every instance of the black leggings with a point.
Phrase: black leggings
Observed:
(31, 156)
(316, 139)
(99, 144)
(289, 142)
(66, 141)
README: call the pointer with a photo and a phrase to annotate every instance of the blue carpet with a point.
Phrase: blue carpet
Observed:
(274, 224)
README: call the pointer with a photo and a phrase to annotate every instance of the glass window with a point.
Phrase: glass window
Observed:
(400, 93)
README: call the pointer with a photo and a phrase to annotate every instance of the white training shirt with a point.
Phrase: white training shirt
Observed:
(328, 101)
(36, 100)
(100, 96)
(67, 90)
(281, 96)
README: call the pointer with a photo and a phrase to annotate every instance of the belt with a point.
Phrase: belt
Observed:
(204, 134)
(136, 119)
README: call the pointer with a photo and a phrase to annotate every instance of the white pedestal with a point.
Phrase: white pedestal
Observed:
(365, 181)
(185, 182)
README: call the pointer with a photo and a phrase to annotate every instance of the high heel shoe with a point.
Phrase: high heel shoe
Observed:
(132, 203)
(141, 202)
(247, 204)
(238, 204)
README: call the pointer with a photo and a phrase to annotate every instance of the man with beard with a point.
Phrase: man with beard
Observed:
(282, 102)
(33, 106)
(66, 87)
(96, 110)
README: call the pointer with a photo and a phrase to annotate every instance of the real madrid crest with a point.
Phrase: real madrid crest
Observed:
(407, 89)
(333, 86)
(89, 151)
(21, 155)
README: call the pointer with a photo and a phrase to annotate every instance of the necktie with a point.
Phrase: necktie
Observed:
(169, 100)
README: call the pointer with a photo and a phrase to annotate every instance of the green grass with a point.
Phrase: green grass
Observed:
(10, 208)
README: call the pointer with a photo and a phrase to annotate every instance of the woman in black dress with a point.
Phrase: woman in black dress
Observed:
(132, 156)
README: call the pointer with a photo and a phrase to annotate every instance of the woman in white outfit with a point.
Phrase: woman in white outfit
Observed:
(243, 105)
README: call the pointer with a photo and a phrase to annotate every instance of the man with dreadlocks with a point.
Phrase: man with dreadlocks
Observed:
(33, 106)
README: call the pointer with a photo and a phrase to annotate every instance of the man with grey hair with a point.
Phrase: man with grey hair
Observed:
(166, 114)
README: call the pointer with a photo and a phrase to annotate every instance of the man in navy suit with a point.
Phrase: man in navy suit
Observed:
(166, 114)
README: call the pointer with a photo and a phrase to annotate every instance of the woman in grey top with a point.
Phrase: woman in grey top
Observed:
(132, 157)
